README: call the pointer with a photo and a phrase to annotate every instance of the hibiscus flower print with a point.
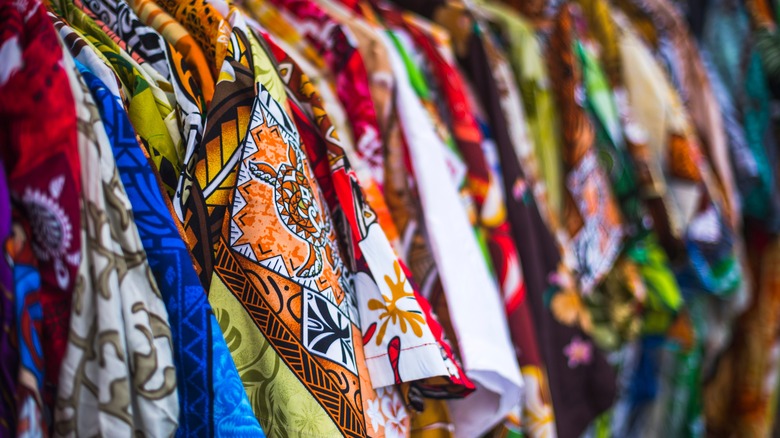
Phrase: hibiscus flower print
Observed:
(374, 414)
(579, 352)
(396, 417)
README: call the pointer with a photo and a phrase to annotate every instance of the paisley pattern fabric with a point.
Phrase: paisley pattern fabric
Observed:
(116, 303)
(45, 183)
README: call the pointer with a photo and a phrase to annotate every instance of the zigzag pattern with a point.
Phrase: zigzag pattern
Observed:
(284, 340)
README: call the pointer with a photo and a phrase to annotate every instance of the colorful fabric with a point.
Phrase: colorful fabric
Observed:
(496, 374)
(94, 59)
(30, 420)
(219, 150)
(117, 302)
(591, 216)
(567, 357)
(341, 55)
(206, 25)
(137, 37)
(44, 181)
(201, 371)
(177, 36)
(8, 317)
(697, 95)
(149, 107)
(309, 350)
(742, 388)
(393, 356)
(543, 165)
(744, 87)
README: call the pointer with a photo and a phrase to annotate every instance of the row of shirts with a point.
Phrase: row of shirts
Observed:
(355, 218)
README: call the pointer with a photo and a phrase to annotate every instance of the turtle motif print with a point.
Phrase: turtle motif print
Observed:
(296, 204)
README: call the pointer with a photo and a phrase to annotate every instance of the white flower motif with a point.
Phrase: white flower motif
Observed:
(50, 224)
(396, 425)
(374, 413)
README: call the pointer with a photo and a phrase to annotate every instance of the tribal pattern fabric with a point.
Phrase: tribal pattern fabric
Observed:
(336, 43)
(394, 355)
(137, 37)
(307, 313)
(218, 154)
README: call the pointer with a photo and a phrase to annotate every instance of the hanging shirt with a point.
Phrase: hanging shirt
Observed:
(149, 106)
(591, 216)
(495, 371)
(441, 374)
(137, 37)
(201, 360)
(338, 46)
(131, 386)
(44, 181)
